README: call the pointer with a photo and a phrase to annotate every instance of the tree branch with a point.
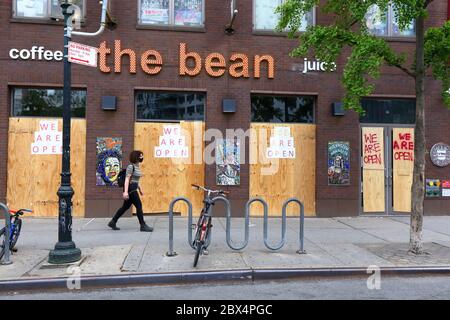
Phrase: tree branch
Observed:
(405, 70)
(427, 2)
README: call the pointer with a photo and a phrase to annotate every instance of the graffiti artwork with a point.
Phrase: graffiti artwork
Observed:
(109, 161)
(338, 163)
(228, 166)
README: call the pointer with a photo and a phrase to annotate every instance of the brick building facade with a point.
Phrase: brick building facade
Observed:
(288, 80)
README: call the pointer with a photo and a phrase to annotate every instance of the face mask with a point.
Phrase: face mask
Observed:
(141, 159)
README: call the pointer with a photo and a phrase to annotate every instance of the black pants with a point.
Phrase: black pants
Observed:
(133, 199)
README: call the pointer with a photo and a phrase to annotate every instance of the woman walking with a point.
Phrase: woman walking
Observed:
(131, 192)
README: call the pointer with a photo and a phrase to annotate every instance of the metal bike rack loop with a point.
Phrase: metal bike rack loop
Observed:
(302, 222)
(172, 253)
(228, 227)
(6, 257)
(279, 245)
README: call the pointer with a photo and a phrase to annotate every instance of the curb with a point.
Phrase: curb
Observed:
(92, 282)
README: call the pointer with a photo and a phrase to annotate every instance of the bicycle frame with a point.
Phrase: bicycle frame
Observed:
(203, 227)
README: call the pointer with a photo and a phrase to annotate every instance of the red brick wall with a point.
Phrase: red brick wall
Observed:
(330, 200)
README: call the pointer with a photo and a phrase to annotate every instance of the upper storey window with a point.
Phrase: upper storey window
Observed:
(43, 9)
(182, 13)
(385, 24)
(265, 18)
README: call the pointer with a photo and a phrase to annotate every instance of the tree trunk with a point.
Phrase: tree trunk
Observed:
(418, 186)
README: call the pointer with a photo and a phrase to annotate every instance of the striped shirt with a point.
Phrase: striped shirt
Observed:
(136, 175)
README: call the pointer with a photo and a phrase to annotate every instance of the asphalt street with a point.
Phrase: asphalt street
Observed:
(349, 288)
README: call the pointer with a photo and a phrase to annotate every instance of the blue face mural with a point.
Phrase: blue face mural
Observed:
(109, 161)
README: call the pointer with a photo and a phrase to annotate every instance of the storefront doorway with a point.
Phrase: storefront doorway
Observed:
(387, 162)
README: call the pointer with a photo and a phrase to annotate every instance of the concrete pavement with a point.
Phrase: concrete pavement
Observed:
(330, 243)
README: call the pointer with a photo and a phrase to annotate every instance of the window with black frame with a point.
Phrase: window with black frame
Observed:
(181, 13)
(43, 102)
(170, 106)
(44, 9)
(288, 109)
(401, 111)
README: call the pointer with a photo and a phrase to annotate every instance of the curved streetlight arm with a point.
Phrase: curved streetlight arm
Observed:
(102, 23)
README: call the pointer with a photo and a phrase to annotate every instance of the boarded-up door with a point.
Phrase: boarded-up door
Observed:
(278, 179)
(167, 178)
(373, 170)
(403, 165)
(34, 179)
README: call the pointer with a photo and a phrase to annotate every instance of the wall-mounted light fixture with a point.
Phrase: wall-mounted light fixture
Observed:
(337, 109)
(109, 103)
(228, 105)
(234, 11)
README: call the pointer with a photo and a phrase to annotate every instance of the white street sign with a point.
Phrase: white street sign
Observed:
(82, 54)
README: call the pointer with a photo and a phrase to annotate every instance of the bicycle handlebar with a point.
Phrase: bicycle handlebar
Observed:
(209, 190)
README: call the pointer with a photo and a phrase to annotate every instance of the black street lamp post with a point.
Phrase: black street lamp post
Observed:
(65, 249)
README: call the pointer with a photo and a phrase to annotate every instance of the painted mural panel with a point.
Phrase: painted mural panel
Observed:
(109, 161)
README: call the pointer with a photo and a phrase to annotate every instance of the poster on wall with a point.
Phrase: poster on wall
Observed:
(109, 161)
(155, 11)
(338, 163)
(446, 188)
(433, 188)
(172, 144)
(228, 168)
(372, 153)
(188, 12)
(48, 140)
(281, 144)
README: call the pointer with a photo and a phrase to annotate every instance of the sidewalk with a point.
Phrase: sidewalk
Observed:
(329, 243)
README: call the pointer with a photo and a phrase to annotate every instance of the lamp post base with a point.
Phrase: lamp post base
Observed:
(64, 252)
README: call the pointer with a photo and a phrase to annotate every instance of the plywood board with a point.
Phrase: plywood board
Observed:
(167, 178)
(373, 191)
(277, 180)
(33, 180)
(373, 163)
(403, 166)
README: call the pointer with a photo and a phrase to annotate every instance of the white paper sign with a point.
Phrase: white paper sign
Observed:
(48, 140)
(82, 54)
(446, 192)
(172, 144)
(281, 144)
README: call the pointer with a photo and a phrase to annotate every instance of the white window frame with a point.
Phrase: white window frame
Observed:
(171, 23)
(273, 30)
(48, 13)
(390, 26)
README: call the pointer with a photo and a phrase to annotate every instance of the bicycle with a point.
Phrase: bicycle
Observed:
(203, 226)
(14, 232)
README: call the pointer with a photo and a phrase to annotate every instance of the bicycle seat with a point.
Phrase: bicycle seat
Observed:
(19, 212)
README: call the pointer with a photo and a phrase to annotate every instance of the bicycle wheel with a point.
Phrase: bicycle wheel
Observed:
(197, 252)
(2, 242)
(16, 233)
